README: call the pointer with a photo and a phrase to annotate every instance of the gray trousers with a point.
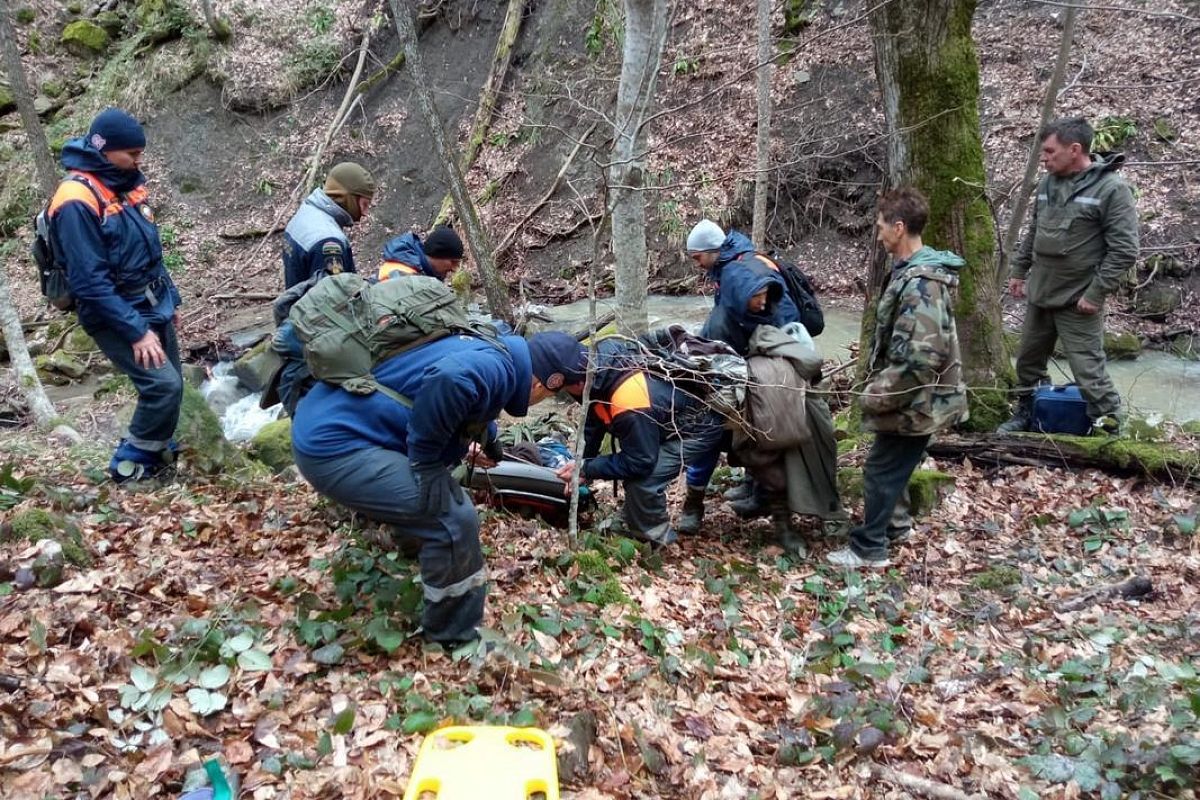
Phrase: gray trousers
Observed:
(645, 510)
(1082, 337)
(379, 484)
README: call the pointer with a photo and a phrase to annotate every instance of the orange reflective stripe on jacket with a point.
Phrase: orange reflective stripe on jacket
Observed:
(632, 394)
(390, 268)
(87, 193)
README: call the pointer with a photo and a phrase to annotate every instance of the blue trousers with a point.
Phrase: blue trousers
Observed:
(645, 511)
(160, 389)
(379, 484)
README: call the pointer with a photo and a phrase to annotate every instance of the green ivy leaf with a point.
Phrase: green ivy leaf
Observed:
(1053, 768)
(344, 721)
(214, 677)
(1187, 753)
(329, 655)
(324, 745)
(204, 702)
(142, 678)
(1080, 516)
(240, 643)
(254, 661)
(1087, 776)
(524, 718)
(1186, 525)
(388, 639)
(419, 722)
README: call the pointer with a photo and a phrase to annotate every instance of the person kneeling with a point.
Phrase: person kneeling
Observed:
(656, 427)
(391, 461)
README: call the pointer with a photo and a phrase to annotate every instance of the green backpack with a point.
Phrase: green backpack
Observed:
(348, 326)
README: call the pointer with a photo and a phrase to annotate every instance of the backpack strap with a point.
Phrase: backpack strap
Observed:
(96, 197)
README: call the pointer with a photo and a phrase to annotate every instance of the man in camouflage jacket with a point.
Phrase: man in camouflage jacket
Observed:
(1082, 239)
(915, 384)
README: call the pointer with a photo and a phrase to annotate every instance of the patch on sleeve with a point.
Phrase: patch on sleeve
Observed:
(332, 252)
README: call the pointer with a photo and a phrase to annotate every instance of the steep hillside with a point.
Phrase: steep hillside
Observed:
(233, 126)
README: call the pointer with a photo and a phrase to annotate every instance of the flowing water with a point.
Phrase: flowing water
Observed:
(1156, 385)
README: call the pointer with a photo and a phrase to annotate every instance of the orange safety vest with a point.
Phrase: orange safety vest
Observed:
(389, 268)
(93, 194)
(631, 394)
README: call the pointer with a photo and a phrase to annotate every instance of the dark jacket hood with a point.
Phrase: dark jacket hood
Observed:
(938, 265)
(739, 285)
(518, 348)
(407, 249)
(77, 154)
(614, 358)
(734, 247)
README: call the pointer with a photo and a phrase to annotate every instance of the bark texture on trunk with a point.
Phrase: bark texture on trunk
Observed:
(22, 365)
(763, 144)
(645, 34)
(928, 75)
(47, 173)
(476, 238)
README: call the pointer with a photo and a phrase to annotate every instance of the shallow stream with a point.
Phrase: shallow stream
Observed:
(1155, 385)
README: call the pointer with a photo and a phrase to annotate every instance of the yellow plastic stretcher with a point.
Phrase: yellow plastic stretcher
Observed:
(485, 763)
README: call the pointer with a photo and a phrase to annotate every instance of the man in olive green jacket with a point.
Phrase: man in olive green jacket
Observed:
(1082, 239)
(916, 379)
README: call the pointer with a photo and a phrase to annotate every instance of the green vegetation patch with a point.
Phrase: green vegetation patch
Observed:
(85, 38)
(36, 524)
(273, 445)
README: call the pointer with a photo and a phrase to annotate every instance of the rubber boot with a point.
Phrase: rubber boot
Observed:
(1022, 418)
(781, 523)
(754, 506)
(692, 516)
(740, 492)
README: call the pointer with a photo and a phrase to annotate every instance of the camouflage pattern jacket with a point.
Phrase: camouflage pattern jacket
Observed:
(915, 385)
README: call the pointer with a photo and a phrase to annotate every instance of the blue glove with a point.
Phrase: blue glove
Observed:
(437, 487)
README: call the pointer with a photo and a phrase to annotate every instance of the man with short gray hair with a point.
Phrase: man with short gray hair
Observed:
(1082, 238)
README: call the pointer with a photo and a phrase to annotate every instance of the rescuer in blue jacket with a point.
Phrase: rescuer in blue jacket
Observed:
(438, 256)
(314, 240)
(103, 227)
(392, 463)
(656, 427)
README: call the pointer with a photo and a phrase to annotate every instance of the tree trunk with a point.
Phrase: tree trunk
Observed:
(645, 34)
(477, 241)
(1031, 163)
(47, 174)
(763, 155)
(22, 364)
(220, 27)
(928, 76)
(490, 94)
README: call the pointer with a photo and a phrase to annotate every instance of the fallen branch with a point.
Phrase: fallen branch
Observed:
(921, 786)
(607, 318)
(1130, 589)
(250, 233)
(243, 296)
(311, 176)
(562, 171)
(1116, 455)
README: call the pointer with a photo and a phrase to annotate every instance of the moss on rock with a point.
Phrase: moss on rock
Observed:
(926, 488)
(989, 407)
(199, 433)
(997, 578)
(84, 38)
(36, 524)
(1122, 346)
(273, 445)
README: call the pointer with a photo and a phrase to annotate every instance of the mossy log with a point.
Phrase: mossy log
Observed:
(488, 96)
(1111, 454)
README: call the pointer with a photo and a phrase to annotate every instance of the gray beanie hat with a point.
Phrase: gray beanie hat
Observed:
(707, 235)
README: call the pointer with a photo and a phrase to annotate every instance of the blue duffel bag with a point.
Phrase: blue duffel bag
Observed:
(1060, 409)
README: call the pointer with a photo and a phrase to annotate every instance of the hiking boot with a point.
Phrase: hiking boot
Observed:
(1022, 418)
(132, 463)
(899, 535)
(1108, 425)
(753, 506)
(788, 537)
(693, 512)
(740, 492)
(851, 560)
